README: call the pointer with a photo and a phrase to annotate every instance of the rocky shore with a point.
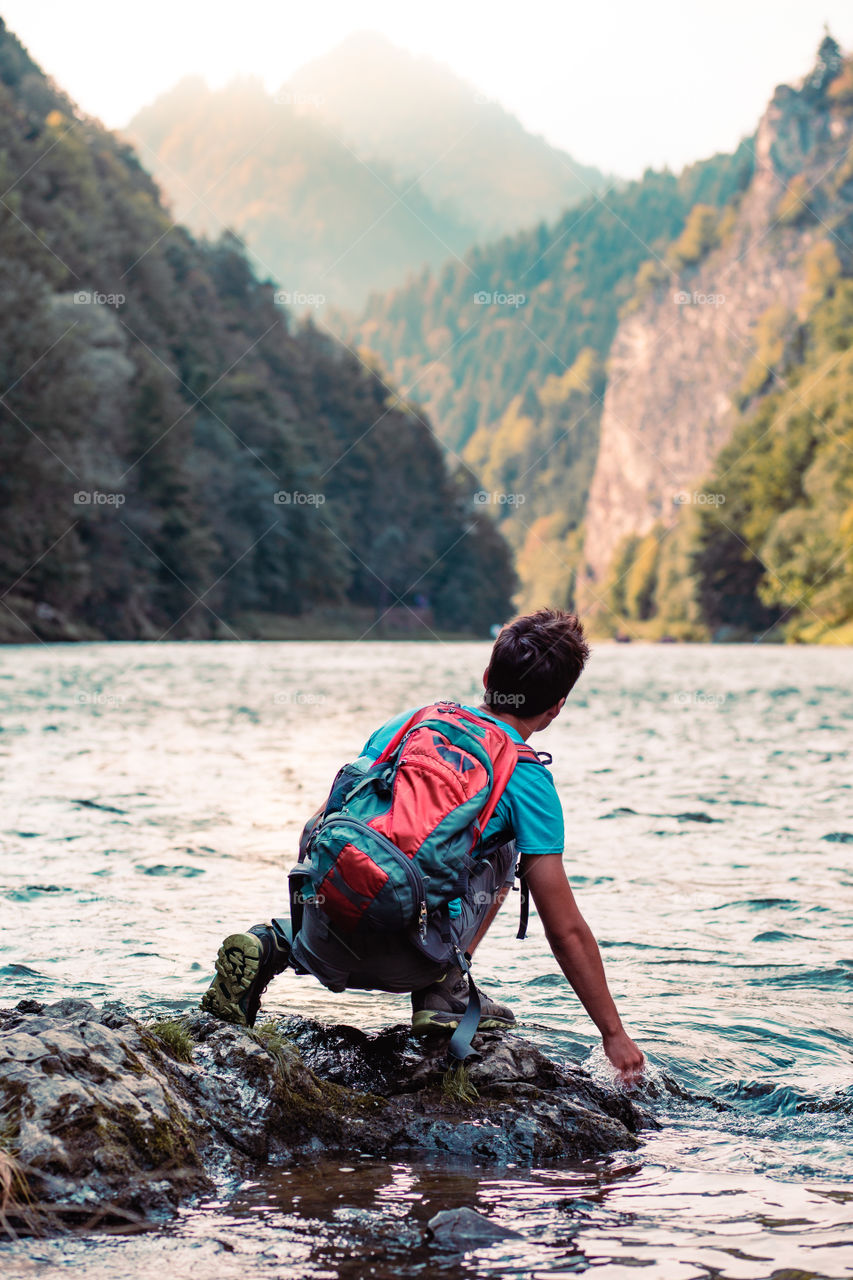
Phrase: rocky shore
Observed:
(107, 1117)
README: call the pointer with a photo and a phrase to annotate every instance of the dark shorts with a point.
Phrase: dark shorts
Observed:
(389, 962)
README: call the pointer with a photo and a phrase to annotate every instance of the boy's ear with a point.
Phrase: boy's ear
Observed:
(486, 678)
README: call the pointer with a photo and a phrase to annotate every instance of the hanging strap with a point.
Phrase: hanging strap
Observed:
(526, 755)
(523, 908)
(460, 1046)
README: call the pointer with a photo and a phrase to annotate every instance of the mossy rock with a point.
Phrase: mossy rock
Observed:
(139, 1116)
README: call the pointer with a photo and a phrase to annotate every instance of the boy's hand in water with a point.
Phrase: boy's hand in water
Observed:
(625, 1056)
(577, 954)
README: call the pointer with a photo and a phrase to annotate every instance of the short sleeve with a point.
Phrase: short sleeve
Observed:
(534, 810)
(379, 739)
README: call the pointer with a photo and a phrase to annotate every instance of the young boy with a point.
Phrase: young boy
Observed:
(535, 662)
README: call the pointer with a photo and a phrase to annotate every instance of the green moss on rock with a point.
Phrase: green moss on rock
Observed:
(176, 1038)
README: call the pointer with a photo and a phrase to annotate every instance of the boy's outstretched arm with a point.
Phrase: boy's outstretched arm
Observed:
(576, 951)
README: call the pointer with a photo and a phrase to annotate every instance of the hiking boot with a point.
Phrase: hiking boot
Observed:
(244, 967)
(440, 1007)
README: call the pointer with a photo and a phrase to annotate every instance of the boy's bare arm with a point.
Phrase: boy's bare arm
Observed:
(577, 954)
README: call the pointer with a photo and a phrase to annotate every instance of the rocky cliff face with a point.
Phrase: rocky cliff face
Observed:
(678, 363)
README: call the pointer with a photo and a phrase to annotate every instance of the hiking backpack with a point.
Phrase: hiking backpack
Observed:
(393, 846)
(394, 843)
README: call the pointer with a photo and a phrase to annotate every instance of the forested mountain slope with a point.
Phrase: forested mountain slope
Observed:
(316, 218)
(175, 457)
(608, 360)
(507, 351)
(746, 351)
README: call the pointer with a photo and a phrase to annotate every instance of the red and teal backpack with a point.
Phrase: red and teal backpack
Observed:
(395, 843)
(398, 841)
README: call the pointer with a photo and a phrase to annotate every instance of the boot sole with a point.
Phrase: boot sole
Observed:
(426, 1022)
(237, 964)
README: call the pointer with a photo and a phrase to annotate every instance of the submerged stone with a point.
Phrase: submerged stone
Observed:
(463, 1229)
(105, 1121)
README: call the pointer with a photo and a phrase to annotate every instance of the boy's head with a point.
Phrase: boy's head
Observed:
(535, 662)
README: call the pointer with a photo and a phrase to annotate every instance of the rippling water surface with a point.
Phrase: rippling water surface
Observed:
(152, 796)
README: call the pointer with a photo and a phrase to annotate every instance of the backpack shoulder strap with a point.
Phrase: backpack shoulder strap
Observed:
(391, 749)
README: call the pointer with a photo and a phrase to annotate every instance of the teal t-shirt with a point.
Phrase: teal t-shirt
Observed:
(529, 806)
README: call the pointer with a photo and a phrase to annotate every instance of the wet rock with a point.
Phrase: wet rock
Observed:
(92, 1119)
(464, 1229)
(348, 1056)
(108, 1120)
(29, 1006)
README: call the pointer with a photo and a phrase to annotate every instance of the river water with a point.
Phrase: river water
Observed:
(152, 796)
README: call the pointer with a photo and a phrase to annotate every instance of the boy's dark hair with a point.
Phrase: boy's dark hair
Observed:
(535, 661)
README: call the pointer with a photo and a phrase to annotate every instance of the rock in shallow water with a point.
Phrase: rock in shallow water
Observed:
(107, 1122)
(464, 1229)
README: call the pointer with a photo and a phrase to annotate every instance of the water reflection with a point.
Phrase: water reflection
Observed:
(371, 1219)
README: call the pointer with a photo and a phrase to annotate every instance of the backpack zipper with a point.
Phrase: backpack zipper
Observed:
(413, 875)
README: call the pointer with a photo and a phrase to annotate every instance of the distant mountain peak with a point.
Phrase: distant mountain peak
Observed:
(828, 64)
(369, 164)
(471, 155)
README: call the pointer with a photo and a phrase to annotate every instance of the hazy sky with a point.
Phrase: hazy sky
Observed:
(617, 83)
